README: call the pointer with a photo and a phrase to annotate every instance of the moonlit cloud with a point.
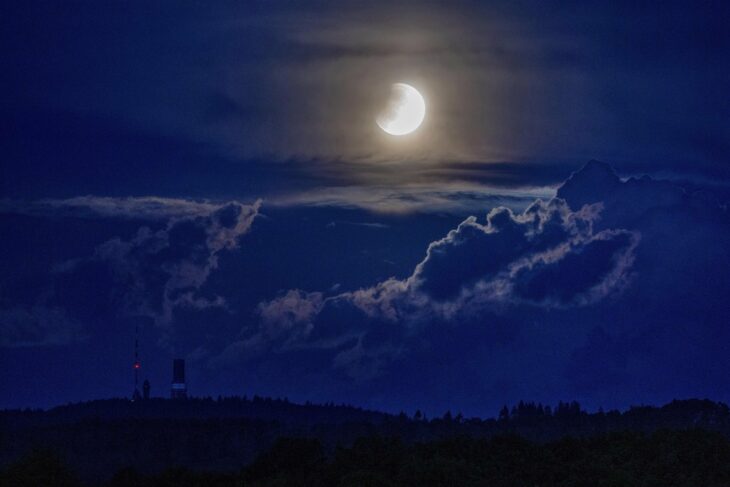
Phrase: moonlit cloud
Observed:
(547, 256)
(566, 260)
(444, 198)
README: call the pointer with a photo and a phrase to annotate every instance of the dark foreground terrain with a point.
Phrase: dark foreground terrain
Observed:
(271, 442)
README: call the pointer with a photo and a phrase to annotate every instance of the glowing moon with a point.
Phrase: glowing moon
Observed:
(404, 112)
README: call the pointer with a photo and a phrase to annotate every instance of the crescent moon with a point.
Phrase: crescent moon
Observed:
(404, 111)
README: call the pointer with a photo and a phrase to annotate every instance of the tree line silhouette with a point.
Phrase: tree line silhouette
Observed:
(263, 441)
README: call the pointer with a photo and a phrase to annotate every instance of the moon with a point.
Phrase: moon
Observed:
(404, 111)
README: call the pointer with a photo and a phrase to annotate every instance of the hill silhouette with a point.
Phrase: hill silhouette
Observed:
(98, 439)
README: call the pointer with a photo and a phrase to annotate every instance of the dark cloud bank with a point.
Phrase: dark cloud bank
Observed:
(614, 292)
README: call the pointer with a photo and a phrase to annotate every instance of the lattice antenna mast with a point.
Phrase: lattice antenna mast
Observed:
(136, 396)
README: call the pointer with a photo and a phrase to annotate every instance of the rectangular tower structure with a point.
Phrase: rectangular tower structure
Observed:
(179, 388)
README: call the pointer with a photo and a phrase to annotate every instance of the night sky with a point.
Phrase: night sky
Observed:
(212, 174)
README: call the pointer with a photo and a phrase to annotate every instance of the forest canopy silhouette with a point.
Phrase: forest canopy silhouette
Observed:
(265, 441)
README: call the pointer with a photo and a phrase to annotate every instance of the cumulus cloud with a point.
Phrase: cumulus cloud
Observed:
(510, 248)
(549, 256)
(507, 260)
(519, 280)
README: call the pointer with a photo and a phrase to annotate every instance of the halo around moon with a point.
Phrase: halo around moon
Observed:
(404, 111)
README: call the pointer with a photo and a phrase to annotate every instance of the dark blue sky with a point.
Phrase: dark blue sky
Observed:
(214, 175)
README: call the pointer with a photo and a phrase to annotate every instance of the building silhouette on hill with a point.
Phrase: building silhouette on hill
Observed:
(179, 388)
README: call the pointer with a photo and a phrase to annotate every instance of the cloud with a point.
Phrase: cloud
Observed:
(548, 256)
(454, 198)
(288, 317)
(160, 269)
(135, 208)
(334, 223)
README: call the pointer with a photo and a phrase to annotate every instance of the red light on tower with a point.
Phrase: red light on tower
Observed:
(136, 365)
